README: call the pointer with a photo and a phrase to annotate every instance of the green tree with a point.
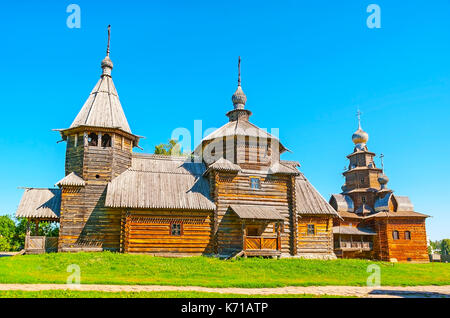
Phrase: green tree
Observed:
(445, 247)
(172, 148)
(7, 232)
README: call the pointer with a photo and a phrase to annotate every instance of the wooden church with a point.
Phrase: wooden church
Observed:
(232, 196)
(375, 223)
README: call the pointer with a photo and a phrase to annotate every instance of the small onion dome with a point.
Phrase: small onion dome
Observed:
(360, 137)
(239, 99)
(344, 188)
(383, 179)
(107, 66)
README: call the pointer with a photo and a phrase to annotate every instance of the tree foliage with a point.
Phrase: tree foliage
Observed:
(13, 232)
(172, 148)
(442, 246)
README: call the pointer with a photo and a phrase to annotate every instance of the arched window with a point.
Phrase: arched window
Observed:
(93, 139)
(407, 235)
(395, 235)
(106, 140)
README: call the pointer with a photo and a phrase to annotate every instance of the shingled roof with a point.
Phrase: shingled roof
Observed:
(309, 200)
(103, 108)
(239, 128)
(72, 179)
(40, 204)
(161, 182)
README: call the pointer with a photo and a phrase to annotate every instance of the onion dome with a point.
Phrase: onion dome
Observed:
(383, 180)
(239, 99)
(360, 136)
(107, 66)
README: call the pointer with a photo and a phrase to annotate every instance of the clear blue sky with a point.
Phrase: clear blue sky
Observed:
(306, 68)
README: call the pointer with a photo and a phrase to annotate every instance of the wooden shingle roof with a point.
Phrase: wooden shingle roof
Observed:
(103, 108)
(161, 182)
(40, 204)
(239, 128)
(309, 200)
(72, 179)
(256, 212)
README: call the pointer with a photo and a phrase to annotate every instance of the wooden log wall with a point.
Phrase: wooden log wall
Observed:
(149, 232)
(235, 189)
(403, 250)
(321, 241)
(86, 224)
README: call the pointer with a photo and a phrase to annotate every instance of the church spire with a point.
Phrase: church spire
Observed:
(239, 99)
(103, 107)
(107, 64)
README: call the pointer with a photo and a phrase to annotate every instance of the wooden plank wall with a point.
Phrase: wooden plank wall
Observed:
(322, 241)
(149, 232)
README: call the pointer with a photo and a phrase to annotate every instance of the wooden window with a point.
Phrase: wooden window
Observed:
(255, 183)
(175, 229)
(395, 235)
(106, 140)
(407, 235)
(363, 199)
(92, 139)
(311, 229)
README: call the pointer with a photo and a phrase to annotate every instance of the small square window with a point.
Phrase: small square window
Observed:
(175, 229)
(255, 183)
(311, 229)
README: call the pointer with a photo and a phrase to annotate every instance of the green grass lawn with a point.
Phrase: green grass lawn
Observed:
(166, 294)
(115, 268)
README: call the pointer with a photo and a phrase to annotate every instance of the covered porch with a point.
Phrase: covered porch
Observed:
(39, 205)
(261, 230)
(349, 240)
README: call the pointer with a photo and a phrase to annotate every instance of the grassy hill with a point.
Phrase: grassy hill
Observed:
(114, 268)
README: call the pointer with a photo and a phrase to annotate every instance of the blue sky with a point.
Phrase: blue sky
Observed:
(305, 70)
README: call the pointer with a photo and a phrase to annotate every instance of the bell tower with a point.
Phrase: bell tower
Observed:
(99, 148)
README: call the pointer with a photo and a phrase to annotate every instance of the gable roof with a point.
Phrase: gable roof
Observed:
(161, 182)
(72, 179)
(40, 204)
(309, 200)
(223, 164)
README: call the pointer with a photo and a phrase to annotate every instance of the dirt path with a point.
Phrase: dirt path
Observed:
(384, 291)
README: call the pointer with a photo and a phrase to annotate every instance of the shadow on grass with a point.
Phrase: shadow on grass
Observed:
(408, 294)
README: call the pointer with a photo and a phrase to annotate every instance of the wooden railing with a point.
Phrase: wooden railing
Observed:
(261, 243)
(40, 244)
(354, 245)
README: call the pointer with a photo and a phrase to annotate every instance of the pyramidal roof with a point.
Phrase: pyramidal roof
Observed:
(103, 108)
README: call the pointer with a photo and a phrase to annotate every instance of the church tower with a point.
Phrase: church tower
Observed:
(99, 148)
(361, 178)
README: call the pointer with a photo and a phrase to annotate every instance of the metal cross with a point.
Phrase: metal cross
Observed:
(358, 114)
(382, 164)
(109, 38)
(239, 71)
